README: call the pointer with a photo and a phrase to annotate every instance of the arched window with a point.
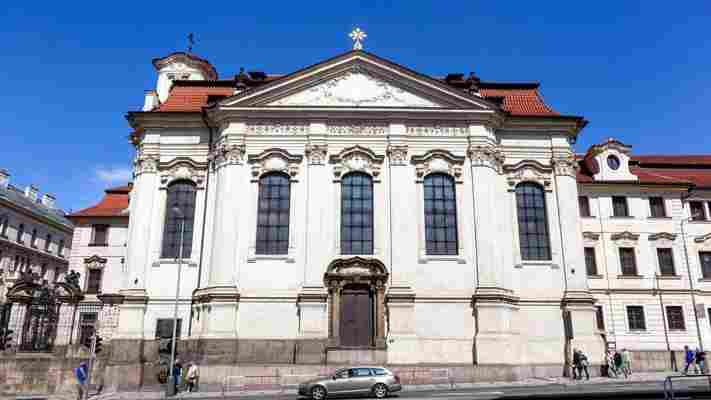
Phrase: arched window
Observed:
(532, 222)
(181, 194)
(273, 214)
(440, 215)
(357, 214)
(20, 232)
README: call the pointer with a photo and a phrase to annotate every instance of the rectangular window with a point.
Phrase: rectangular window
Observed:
(47, 242)
(628, 263)
(60, 248)
(590, 262)
(599, 318)
(33, 238)
(705, 261)
(164, 328)
(666, 261)
(656, 207)
(100, 235)
(584, 205)
(675, 318)
(696, 208)
(635, 318)
(93, 281)
(87, 325)
(619, 206)
(20, 233)
(4, 222)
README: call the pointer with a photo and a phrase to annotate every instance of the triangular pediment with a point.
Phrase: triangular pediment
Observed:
(358, 80)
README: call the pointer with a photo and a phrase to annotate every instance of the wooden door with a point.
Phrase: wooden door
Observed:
(356, 325)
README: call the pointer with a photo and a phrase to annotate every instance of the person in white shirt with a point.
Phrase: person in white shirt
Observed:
(192, 377)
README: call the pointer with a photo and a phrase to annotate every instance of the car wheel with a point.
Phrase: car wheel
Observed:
(318, 393)
(380, 391)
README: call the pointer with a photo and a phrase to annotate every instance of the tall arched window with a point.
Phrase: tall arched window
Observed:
(532, 222)
(181, 194)
(273, 214)
(440, 215)
(357, 214)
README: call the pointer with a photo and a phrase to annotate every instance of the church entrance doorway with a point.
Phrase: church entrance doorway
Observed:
(356, 325)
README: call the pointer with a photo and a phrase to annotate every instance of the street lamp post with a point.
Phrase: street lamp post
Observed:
(181, 218)
(691, 282)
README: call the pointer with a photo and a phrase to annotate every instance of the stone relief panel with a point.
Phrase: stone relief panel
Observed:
(275, 160)
(357, 128)
(438, 161)
(357, 158)
(355, 88)
(433, 129)
(278, 127)
(528, 171)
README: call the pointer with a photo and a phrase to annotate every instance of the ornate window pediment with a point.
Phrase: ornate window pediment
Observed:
(357, 158)
(591, 236)
(626, 235)
(528, 171)
(703, 238)
(275, 160)
(356, 269)
(662, 236)
(95, 262)
(438, 161)
(182, 168)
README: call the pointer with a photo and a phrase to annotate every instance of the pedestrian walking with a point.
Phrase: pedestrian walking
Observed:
(619, 364)
(627, 362)
(177, 372)
(612, 370)
(192, 376)
(700, 360)
(81, 374)
(576, 364)
(689, 358)
(583, 364)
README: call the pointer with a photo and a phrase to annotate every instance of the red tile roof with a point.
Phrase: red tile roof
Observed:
(682, 169)
(191, 98)
(113, 204)
(520, 102)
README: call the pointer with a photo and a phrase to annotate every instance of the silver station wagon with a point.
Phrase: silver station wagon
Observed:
(376, 381)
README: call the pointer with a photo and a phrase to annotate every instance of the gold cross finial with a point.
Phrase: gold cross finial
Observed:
(358, 36)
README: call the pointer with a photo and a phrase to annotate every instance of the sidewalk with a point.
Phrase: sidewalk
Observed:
(654, 380)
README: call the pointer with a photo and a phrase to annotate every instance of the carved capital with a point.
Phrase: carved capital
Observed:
(145, 164)
(316, 153)
(566, 166)
(487, 156)
(397, 154)
(227, 154)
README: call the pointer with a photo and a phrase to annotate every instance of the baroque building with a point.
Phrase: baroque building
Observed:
(354, 211)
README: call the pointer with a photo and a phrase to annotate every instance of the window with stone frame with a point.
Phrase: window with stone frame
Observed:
(164, 328)
(99, 235)
(357, 214)
(656, 207)
(181, 195)
(628, 261)
(675, 318)
(33, 238)
(48, 243)
(440, 215)
(635, 318)
(590, 261)
(273, 214)
(619, 206)
(93, 280)
(696, 209)
(665, 256)
(87, 325)
(599, 318)
(532, 217)
(4, 222)
(60, 248)
(705, 261)
(20, 233)
(584, 205)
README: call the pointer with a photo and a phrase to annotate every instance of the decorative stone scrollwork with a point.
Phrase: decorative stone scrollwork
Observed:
(275, 160)
(362, 128)
(703, 238)
(487, 156)
(662, 236)
(626, 235)
(398, 154)
(278, 128)
(356, 158)
(95, 262)
(316, 153)
(438, 161)
(528, 171)
(591, 235)
(145, 164)
(227, 154)
(438, 130)
(182, 168)
(565, 166)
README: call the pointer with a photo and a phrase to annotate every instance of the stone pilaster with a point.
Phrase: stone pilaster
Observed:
(145, 188)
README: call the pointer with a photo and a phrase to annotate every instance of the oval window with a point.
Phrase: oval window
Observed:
(613, 162)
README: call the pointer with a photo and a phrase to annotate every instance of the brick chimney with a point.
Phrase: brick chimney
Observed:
(48, 200)
(31, 192)
(4, 178)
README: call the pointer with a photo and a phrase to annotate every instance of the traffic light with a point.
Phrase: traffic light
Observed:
(6, 339)
(97, 345)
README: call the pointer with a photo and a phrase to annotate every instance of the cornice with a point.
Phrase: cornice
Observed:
(166, 119)
(39, 218)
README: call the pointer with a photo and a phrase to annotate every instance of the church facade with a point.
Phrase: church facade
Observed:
(356, 211)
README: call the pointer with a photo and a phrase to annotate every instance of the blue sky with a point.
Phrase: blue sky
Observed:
(639, 71)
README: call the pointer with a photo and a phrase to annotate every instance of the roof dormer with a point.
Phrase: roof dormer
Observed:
(609, 161)
(181, 66)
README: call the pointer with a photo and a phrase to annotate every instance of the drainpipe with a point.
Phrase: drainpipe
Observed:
(683, 197)
(672, 361)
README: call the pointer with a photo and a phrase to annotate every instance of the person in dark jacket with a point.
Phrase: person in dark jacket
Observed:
(576, 364)
(689, 358)
(700, 359)
(177, 373)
